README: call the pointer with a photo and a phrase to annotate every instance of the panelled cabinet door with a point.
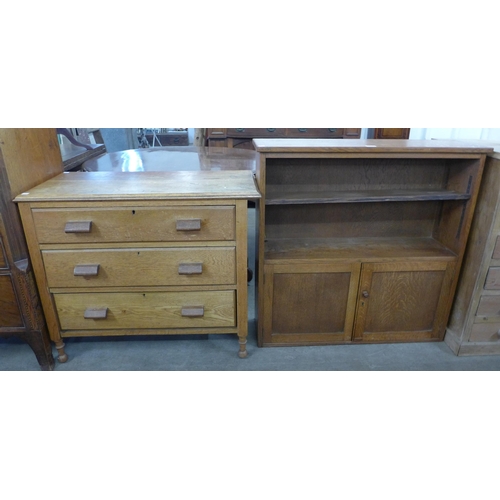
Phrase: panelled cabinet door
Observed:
(403, 301)
(309, 304)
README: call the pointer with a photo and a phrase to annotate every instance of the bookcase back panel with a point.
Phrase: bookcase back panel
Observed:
(359, 174)
(399, 219)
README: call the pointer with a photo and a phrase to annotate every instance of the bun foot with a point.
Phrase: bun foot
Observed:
(243, 349)
(63, 357)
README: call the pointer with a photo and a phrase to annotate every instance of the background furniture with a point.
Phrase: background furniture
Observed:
(361, 241)
(474, 326)
(165, 159)
(27, 158)
(242, 137)
(135, 253)
(390, 133)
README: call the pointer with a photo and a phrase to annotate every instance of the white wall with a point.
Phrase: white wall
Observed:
(487, 134)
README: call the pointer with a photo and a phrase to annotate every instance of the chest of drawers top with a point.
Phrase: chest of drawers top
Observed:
(144, 186)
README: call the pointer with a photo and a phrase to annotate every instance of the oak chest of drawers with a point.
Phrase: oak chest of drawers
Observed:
(131, 253)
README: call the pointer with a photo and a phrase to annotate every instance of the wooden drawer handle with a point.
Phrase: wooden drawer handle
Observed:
(86, 270)
(193, 311)
(78, 227)
(95, 313)
(188, 225)
(191, 268)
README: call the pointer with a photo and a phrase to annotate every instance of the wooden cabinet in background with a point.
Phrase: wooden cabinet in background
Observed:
(474, 326)
(361, 241)
(27, 158)
(242, 137)
(391, 133)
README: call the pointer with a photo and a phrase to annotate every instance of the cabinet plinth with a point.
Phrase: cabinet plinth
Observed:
(361, 241)
(157, 256)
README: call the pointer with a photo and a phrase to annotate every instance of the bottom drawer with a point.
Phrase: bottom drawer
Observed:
(485, 332)
(109, 311)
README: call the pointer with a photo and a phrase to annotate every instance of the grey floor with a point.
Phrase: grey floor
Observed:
(219, 353)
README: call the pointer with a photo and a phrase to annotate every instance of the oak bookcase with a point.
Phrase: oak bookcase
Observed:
(361, 240)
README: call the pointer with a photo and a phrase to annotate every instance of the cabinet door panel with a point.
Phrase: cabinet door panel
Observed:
(309, 304)
(403, 301)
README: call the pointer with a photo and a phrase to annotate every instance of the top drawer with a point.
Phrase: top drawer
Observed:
(140, 224)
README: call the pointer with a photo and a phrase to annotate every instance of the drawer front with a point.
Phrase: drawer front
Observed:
(137, 224)
(256, 132)
(489, 306)
(320, 133)
(493, 279)
(485, 332)
(140, 267)
(151, 310)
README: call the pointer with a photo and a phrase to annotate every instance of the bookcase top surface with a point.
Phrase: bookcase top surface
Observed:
(369, 146)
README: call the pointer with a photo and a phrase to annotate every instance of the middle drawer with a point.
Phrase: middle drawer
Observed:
(140, 267)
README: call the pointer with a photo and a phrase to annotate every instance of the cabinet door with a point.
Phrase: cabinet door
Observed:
(308, 304)
(403, 301)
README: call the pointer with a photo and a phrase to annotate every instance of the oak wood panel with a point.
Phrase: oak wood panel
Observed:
(128, 186)
(366, 249)
(367, 147)
(146, 310)
(310, 304)
(36, 154)
(141, 267)
(392, 220)
(402, 300)
(135, 223)
(358, 174)
(10, 315)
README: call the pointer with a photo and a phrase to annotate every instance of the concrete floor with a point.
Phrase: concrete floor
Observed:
(219, 352)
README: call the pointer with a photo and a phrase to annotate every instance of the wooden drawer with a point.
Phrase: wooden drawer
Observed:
(320, 133)
(256, 132)
(493, 279)
(133, 224)
(485, 332)
(140, 267)
(489, 306)
(150, 310)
